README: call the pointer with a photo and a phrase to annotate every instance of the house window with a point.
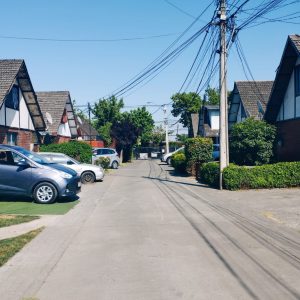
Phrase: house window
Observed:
(12, 99)
(12, 138)
(297, 80)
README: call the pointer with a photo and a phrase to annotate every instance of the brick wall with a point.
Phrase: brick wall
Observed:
(25, 138)
(289, 140)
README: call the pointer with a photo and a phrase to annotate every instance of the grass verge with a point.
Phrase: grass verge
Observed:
(9, 247)
(31, 208)
(8, 220)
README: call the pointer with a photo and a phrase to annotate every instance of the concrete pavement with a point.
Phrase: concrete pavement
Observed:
(144, 234)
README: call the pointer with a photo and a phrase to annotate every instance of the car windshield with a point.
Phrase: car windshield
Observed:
(35, 157)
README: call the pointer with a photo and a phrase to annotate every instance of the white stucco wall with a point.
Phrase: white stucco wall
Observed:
(64, 129)
(17, 118)
(287, 109)
(214, 116)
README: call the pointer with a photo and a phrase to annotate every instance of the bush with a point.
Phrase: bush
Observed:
(280, 175)
(103, 162)
(198, 151)
(178, 162)
(210, 173)
(79, 150)
(252, 142)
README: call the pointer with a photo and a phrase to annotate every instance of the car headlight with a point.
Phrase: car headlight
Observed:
(65, 175)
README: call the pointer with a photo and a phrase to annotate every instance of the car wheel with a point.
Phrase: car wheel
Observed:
(45, 193)
(114, 165)
(168, 161)
(88, 177)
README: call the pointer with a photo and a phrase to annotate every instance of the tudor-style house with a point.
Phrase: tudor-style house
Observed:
(248, 99)
(87, 133)
(20, 114)
(283, 108)
(59, 116)
(209, 122)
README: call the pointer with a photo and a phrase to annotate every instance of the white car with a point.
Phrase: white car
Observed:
(114, 160)
(88, 173)
(167, 157)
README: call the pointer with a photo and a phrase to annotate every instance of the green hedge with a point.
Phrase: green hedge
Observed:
(78, 150)
(178, 162)
(209, 173)
(280, 175)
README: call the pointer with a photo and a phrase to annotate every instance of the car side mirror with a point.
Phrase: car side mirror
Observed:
(23, 163)
(69, 162)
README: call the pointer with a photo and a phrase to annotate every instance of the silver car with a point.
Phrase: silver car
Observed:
(23, 172)
(112, 154)
(88, 173)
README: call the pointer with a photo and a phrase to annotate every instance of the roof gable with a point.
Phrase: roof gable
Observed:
(55, 103)
(251, 92)
(288, 60)
(12, 70)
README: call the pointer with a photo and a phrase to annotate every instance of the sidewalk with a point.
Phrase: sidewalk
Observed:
(19, 229)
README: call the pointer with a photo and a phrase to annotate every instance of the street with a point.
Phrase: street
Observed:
(145, 233)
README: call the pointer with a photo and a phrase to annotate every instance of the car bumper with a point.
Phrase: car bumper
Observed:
(72, 188)
(99, 175)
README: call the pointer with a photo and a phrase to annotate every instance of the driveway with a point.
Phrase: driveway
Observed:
(146, 234)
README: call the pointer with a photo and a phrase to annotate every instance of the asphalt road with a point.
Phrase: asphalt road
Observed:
(146, 234)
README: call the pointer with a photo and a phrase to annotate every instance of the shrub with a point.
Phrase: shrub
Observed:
(198, 151)
(278, 175)
(210, 173)
(252, 142)
(103, 162)
(178, 162)
(79, 150)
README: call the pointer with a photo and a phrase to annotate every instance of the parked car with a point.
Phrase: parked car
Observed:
(167, 157)
(107, 152)
(23, 172)
(88, 173)
(216, 151)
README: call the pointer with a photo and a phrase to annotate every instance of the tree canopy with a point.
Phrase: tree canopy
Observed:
(184, 104)
(107, 110)
(213, 96)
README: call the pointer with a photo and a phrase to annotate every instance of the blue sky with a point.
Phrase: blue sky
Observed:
(92, 70)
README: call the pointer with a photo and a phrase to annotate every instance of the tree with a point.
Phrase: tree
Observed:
(158, 135)
(184, 104)
(107, 110)
(252, 142)
(182, 138)
(143, 121)
(126, 133)
(105, 132)
(213, 96)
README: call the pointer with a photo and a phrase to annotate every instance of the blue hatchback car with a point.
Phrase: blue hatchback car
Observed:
(23, 172)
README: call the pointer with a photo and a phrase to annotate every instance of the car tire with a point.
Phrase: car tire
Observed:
(45, 193)
(114, 165)
(168, 161)
(88, 177)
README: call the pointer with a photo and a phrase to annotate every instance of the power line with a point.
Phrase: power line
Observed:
(87, 40)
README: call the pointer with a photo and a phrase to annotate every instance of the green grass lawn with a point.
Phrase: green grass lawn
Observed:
(31, 208)
(9, 247)
(8, 220)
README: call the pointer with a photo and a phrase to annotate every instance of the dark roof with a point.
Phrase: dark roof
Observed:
(55, 103)
(12, 70)
(251, 92)
(85, 128)
(289, 58)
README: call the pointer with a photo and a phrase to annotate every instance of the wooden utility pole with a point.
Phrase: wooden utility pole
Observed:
(166, 128)
(223, 92)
